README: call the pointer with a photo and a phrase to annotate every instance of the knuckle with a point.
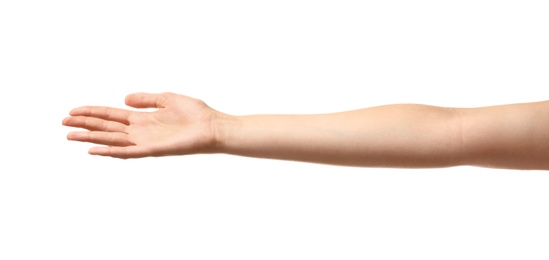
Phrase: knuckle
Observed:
(111, 137)
(108, 113)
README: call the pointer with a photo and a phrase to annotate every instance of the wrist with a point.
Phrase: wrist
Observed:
(221, 126)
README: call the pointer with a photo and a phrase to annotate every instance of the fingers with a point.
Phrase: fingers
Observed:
(146, 100)
(106, 138)
(119, 145)
(120, 152)
(107, 113)
(94, 124)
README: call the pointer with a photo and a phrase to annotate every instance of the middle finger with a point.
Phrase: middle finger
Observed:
(94, 124)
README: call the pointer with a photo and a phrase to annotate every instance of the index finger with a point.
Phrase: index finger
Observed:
(107, 113)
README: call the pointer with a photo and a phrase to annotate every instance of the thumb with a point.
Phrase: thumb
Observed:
(146, 100)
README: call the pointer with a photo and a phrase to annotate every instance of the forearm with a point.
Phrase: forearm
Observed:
(385, 136)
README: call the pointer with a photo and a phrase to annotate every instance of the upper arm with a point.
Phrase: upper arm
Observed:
(508, 136)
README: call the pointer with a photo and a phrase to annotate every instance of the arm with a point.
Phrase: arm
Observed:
(385, 136)
(512, 136)
(405, 135)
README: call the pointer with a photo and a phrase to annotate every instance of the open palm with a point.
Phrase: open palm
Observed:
(181, 125)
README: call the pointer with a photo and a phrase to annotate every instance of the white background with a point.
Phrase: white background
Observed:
(250, 57)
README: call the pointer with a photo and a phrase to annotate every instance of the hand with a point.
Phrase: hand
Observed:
(181, 125)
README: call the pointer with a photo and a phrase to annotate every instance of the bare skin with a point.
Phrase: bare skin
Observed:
(514, 136)
(181, 125)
